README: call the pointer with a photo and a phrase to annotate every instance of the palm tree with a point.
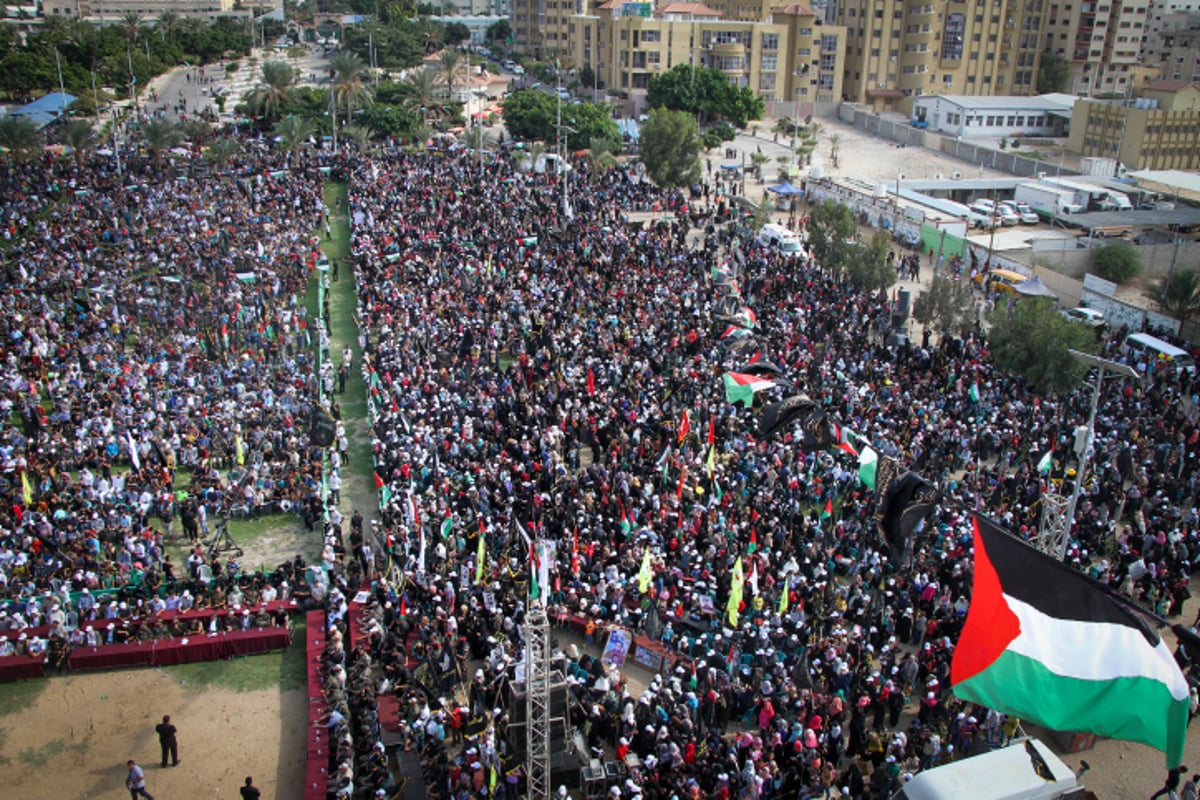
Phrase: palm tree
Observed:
(422, 93)
(449, 64)
(131, 24)
(160, 136)
(276, 83)
(195, 130)
(19, 137)
(835, 143)
(533, 152)
(359, 134)
(293, 133)
(348, 84)
(1178, 294)
(79, 135)
(600, 152)
(222, 151)
(167, 25)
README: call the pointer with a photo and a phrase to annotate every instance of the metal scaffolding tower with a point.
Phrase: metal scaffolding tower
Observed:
(537, 700)
(1056, 525)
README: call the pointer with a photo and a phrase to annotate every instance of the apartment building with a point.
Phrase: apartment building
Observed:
(541, 27)
(1100, 40)
(900, 49)
(110, 12)
(1163, 19)
(790, 58)
(1156, 130)
(1179, 58)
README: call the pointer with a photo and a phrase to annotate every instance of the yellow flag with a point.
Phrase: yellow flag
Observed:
(241, 452)
(479, 557)
(26, 489)
(711, 463)
(646, 573)
(783, 598)
(735, 592)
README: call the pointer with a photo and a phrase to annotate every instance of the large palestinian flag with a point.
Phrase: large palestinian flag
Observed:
(740, 388)
(1043, 643)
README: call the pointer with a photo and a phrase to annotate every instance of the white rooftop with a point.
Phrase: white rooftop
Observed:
(1041, 102)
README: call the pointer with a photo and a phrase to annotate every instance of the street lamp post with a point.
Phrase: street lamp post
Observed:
(1102, 365)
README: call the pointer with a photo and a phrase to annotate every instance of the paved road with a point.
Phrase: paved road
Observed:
(188, 90)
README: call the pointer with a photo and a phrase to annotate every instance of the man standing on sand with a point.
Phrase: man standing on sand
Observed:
(166, 740)
(1174, 775)
(250, 791)
(135, 782)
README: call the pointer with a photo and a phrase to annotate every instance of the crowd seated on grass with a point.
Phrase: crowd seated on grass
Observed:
(157, 367)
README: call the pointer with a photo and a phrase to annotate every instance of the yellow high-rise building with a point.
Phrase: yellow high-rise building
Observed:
(788, 58)
(1157, 130)
(900, 49)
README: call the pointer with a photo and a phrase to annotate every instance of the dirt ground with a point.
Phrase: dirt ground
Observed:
(73, 739)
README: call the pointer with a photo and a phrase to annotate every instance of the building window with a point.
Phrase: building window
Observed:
(770, 41)
(651, 36)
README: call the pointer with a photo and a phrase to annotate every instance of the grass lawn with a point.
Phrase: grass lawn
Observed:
(249, 673)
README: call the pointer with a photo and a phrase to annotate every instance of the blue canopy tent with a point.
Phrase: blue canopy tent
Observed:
(785, 189)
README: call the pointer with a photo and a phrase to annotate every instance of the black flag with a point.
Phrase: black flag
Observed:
(907, 500)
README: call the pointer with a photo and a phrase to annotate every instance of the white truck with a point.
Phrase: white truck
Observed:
(1048, 201)
(1092, 196)
(1025, 770)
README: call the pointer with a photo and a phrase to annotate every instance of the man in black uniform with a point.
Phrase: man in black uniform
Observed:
(250, 791)
(166, 740)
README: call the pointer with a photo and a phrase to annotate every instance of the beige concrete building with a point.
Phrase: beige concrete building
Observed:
(900, 49)
(1180, 55)
(1100, 40)
(110, 12)
(541, 27)
(789, 58)
(1157, 130)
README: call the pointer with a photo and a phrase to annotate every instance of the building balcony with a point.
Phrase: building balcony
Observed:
(734, 50)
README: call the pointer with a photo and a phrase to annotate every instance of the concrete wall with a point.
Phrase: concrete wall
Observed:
(1156, 259)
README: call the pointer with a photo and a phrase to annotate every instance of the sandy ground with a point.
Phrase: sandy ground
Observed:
(73, 739)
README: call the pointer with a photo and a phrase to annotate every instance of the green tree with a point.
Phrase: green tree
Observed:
(1178, 294)
(160, 136)
(277, 81)
(530, 115)
(704, 91)
(222, 151)
(358, 134)
(1117, 262)
(670, 148)
(945, 306)
(868, 269)
(600, 153)
(293, 133)
(19, 137)
(349, 88)
(590, 122)
(390, 121)
(79, 135)
(499, 31)
(451, 63)
(1053, 73)
(831, 232)
(422, 94)
(1032, 342)
(456, 33)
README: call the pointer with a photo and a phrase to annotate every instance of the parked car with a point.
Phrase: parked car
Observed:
(984, 202)
(1022, 210)
(1086, 316)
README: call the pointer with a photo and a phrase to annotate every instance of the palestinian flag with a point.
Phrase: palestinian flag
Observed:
(1043, 643)
(868, 461)
(735, 332)
(741, 388)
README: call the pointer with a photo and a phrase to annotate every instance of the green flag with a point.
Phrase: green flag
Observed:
(447, 527)
(868, 460)
(1045, 462)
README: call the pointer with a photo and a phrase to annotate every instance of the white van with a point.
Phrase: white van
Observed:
(781, 240)
(1143, 343)
(1006, 774)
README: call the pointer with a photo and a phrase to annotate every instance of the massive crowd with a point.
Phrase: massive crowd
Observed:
(157, 364)
(559, 376)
